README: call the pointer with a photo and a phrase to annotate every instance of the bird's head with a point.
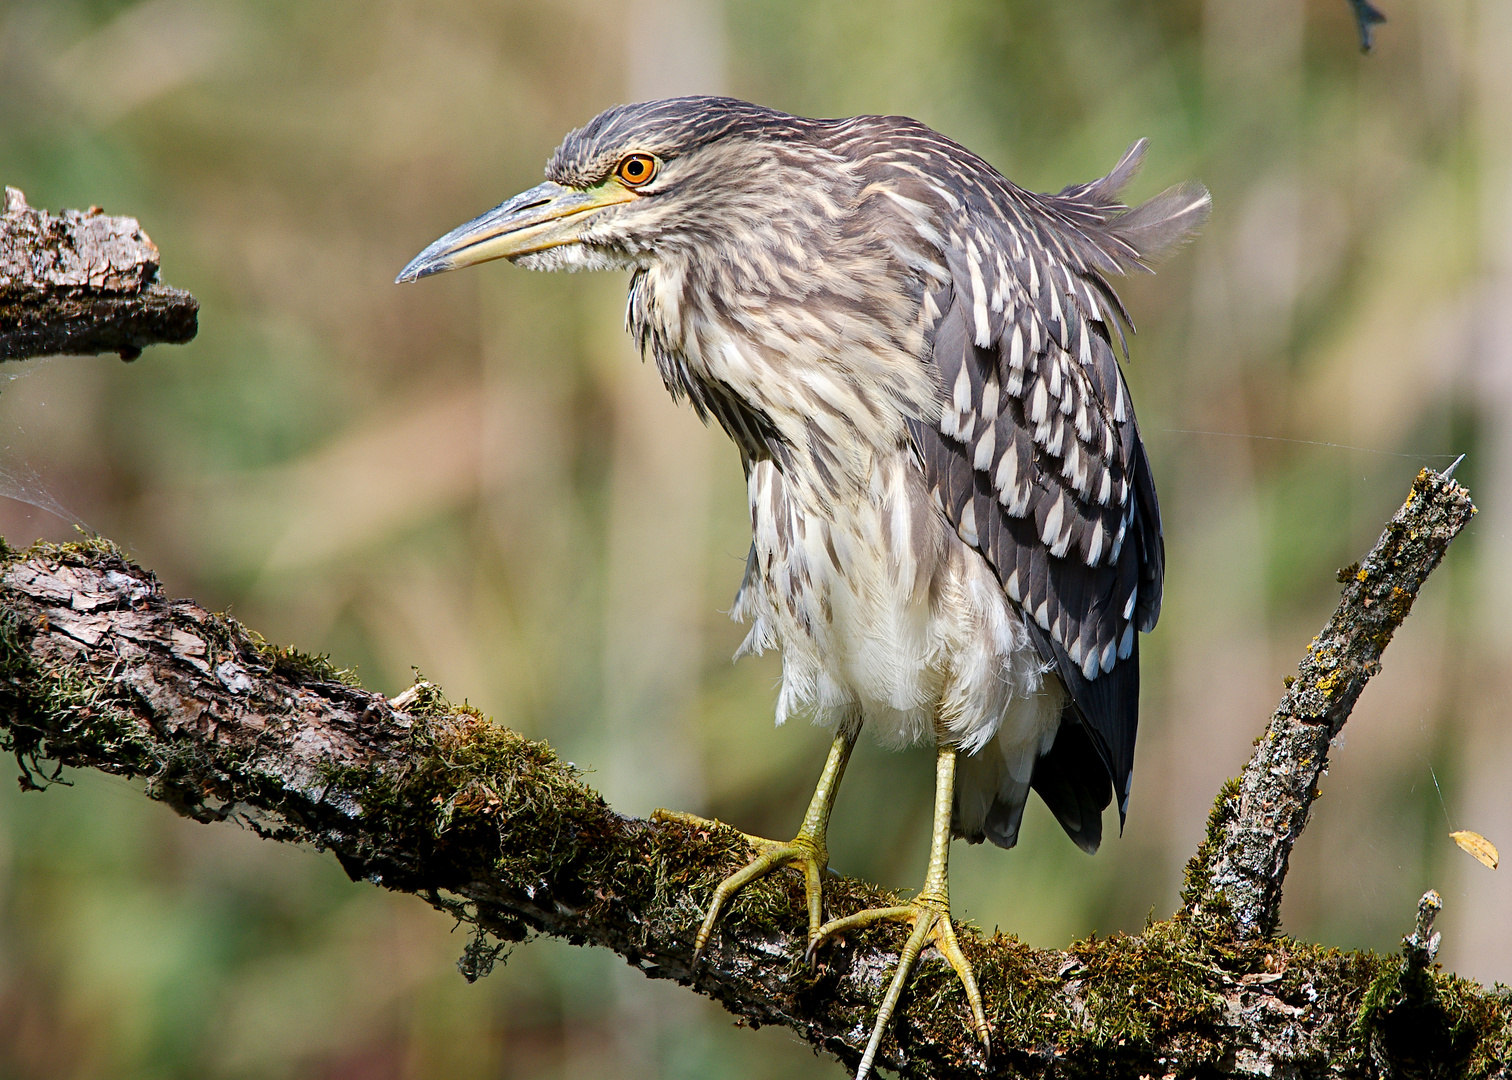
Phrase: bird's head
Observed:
(637, 183)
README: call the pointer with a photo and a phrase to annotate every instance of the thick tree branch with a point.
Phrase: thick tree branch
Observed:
(83, 283)
(1238, 872)
(99, 669)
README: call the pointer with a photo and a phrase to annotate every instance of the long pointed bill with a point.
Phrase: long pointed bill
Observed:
(548, 215)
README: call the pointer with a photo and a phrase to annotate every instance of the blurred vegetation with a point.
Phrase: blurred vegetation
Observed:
(475, 476)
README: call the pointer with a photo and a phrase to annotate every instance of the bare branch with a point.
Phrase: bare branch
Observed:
(83, 283)
(1238, 871)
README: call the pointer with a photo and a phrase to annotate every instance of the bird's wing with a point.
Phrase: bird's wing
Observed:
(1037, 458)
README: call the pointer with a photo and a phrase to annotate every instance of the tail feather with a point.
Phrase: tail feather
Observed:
(1157, 227)
(1106, 191)
(1074, 784)
(1070, 777)
(1114, 238)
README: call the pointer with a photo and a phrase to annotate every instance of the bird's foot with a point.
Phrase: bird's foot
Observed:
(694, 821)
(805, 852)
(929, 917)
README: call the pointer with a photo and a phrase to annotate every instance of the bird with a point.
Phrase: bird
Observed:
(956, 539)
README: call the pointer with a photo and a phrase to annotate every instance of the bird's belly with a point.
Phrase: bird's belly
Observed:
(883, 614)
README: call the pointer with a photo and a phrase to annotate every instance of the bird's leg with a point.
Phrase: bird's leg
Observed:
(928, 913)
(808, 849)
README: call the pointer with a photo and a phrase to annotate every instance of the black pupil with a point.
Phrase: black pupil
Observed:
(634, 168)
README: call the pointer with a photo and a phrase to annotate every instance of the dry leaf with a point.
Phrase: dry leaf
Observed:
(1476, 844)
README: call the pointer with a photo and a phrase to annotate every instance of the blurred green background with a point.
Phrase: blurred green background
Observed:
(477, 477)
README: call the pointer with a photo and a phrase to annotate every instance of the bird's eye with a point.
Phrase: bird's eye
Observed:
(636, 169)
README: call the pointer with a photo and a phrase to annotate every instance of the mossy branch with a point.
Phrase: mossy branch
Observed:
(1238, 872)
(99, 669)
(83, 283)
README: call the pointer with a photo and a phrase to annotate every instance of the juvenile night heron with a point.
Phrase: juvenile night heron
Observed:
(955, 535)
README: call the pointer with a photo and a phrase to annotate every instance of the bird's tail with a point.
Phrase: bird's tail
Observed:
(1140, 236)
(1156, 228)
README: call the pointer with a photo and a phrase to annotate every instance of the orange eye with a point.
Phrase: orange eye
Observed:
(636, 169)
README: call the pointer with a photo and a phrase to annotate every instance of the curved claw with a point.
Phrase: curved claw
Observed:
(949, 945)
(808, 851)
(931, 925)
(869, 917)
(693, 821)
(778, 855)
(808, 848)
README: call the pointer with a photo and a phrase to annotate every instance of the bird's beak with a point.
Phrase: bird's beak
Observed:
(548, 215)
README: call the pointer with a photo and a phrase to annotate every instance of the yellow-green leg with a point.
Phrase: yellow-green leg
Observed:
(929, 915)
(808, 849)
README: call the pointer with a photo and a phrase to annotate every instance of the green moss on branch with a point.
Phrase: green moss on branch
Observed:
(98, 669)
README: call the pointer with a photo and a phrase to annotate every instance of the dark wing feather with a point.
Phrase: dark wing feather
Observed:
(1037, 458)
(1073, 782)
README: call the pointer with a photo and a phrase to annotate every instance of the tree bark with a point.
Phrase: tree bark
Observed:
(1239, 870)
(83, 283)
(99, 669)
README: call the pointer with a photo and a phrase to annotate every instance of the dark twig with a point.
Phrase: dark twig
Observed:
(1410, 1026)
(1422, 945)
(1367, 18)
(83, 283)
(1238, 872)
